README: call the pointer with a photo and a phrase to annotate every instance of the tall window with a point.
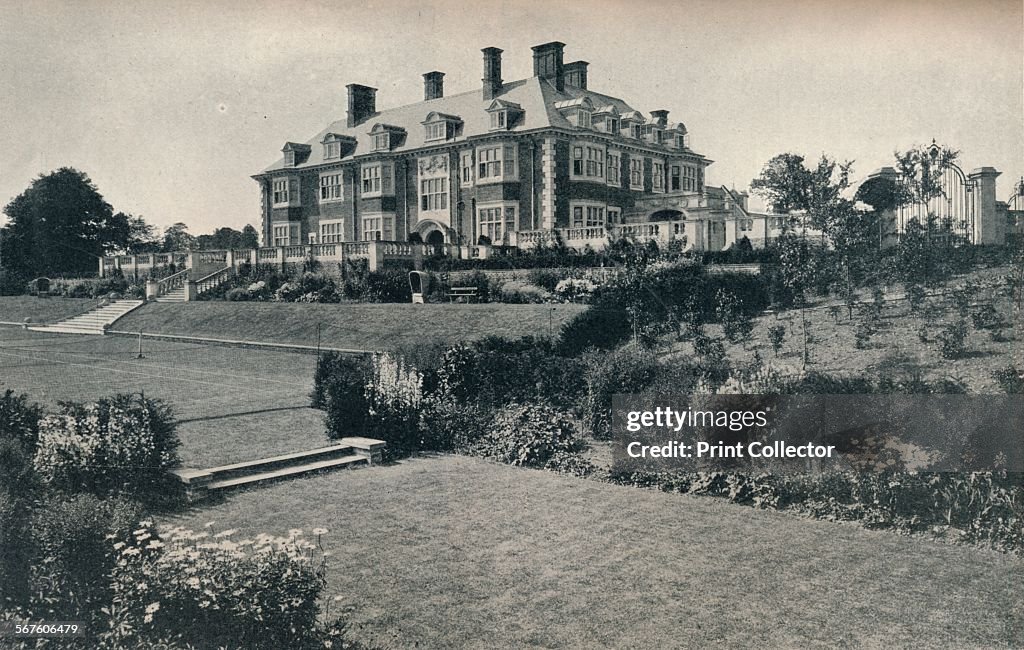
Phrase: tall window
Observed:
(495, 163)
(381, 141)
(496, 222)
(281, 235)
(466, 167)
(636, 173)
(330, 187)
(676, 179)
(378, 227)
(281, 191)
(611, 125)
(614, 215)
(376, 179)
(332, 150)
(658, 177)
(583, 119)
(434, 194)
(332, 232)
(588, 162)
(635, 130)
(613, 168)
(689, 179)
(589, 216)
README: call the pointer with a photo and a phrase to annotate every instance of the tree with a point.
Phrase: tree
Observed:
(788, 185)
(59, 225)
(131, 235)
(177, 238)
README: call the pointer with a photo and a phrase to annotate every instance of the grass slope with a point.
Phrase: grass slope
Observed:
(15, 309)
(453, 552)
(360, 326)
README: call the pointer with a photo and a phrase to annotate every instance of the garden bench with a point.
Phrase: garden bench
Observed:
(462, 294)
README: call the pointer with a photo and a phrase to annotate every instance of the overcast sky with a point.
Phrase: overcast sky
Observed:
(171, 106)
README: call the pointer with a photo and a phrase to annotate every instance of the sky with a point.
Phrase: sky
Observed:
(171, 106)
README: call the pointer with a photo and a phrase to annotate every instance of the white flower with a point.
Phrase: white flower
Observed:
(320, 531)
(152, 608)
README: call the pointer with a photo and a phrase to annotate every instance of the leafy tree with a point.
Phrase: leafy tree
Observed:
(132, 235)
(178, 238)
(228, 238)
(60, 225)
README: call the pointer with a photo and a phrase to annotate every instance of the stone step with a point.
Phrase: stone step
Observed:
(260, 464)
(59, 329)
(284, 472)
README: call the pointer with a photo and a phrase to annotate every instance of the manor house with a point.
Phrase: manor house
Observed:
(513, 163)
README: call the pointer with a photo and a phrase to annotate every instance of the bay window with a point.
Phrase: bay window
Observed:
(496, 163)
(378, 227)
(496, 222)
(434, 194)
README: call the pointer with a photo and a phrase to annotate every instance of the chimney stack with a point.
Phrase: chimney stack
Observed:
(362, 104)
(661, 117)
(433, 85)
(576, 74)
(547, 63)
(492, 72)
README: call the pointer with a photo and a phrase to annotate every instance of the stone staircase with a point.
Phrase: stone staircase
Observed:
(93, 321)
(175, 295)
(200, 483)
(175, 288)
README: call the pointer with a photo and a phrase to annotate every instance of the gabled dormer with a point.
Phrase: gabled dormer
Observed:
(504, 114)
(385, 137)
(632, 125)
(579, 112)
(439, 127)
(607, 119)
(295, 153)
(337, 146)
(676, 136)
(653, 133)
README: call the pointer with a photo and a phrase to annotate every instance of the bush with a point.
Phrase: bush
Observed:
(123, 444)
(521, 293)
(450, 425)
(259, 593)
(862, 335)
(546, 278)
(1011, 380)
(620, 371)
(238, 294)
(575, 289)
(13, 283)
(736, 323)
(340, 388)
(394, 394)
(72, 539)
(776, 336)
(19, 419)
(527, 435)
(17, 553)
(600, 328)
(390, 285)
(951, 340)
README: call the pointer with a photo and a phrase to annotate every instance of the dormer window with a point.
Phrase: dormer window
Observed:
(439, 126)
(583, 120)
(578, 112)
(295, 154)
(334, 145)
(332, 150)
(384, 137)
(611, 125)
(636, 131)
(503, 113)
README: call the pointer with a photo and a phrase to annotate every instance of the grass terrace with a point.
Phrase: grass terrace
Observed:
(458, 552)
(360, 326)
(15, 309)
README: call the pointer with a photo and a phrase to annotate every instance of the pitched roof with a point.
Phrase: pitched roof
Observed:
(535, 96)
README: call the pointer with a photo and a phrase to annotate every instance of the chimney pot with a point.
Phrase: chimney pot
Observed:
(548, 63)
(576, 74)
(492, 72)
(362, 104)
(433, 85)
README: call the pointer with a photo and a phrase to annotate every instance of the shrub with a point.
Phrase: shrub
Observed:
(72, 538)
(19, 419)
(13, 283)
(915, 296)
(18, 554)
(1011, 380)
(521, 293)
(606, 374)
(259, 593)
(736, 323)
(598, 327)
(389, 285)
(570, 462)
(951, 340)
(340, 388)
(863, 333)
(238, 294)
(546, 278)
(449, 425)
(527, 435)
(575, 289)
(125, 444)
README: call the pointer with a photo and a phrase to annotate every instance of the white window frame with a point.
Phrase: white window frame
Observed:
(434, 194)
(284, 191)
(331, 192)
(636, 173)
(332, 231)
(588, 161)
(658, 176)
(584, 119)
(496, 163)
(466, 169)
(499, 120)
(436, 131)
(675, 178)
(588, 214)
(616, 211)
(382, 141)
(611, 125)
(502, 218)
(289, 158)
(614, 167)
(376, 179)
(281, 233)
(332, 150)
(636, 131)
(378, 226)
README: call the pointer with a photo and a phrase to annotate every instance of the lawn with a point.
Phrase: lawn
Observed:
(231, 404)
(15, 309)
(360, 326)
(450, 552)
